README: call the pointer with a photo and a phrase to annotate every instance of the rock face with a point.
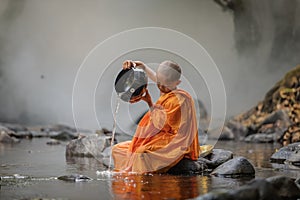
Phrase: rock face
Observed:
(278, 187)
(289, 154)
(278, 114)
(236, 167)
(89, 146)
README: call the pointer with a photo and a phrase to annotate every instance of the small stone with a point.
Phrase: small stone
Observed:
(74, 178)
(53, 142)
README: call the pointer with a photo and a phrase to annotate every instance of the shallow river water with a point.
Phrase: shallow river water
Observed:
(30, 169)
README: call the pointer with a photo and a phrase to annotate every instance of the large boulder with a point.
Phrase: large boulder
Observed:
(256, 189)
(88, 146)
(236, 167)
(285, 187)
(288, 154)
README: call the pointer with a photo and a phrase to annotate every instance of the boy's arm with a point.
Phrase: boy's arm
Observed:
(127, 64)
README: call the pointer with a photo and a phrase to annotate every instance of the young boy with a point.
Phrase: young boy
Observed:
(168, 131)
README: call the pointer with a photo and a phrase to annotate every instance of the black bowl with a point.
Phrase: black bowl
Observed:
(130, 83)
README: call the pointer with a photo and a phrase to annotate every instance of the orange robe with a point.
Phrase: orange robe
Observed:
(165, 135)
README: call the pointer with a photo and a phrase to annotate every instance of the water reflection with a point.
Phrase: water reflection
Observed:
(84, 164)
(258, 153)
(130, 186)
(36, 159)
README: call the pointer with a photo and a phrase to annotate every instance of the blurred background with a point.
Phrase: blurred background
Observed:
(43, 43)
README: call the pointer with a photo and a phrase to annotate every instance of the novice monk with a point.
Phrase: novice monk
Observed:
(167, 132)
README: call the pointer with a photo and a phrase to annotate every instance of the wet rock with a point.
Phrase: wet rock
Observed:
(6, 130)
(106, 162)
(258, 189)
(236, 167)
(64, 136)
(53, 142)
(216, 158)
(261, 138)
(39, 134)
(14, 127)
(5, 138)
(22, 134)
(74, 178)
(288, 154)
(187, 166)
(285, 187)
(59, 128)
(88, 146)
(297, 182)
(220, 194)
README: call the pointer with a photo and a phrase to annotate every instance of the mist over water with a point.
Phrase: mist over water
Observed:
(43, 43)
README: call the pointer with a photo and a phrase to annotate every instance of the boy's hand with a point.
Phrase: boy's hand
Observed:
(128, 64)
(147, 98)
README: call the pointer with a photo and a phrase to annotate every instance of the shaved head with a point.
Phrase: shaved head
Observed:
(170, 70)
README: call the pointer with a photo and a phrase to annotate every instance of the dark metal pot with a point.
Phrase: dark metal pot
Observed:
(130, 84)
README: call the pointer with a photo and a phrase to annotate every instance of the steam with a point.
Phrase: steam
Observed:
(42, 44)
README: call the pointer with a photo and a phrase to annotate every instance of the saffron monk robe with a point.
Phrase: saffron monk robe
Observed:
(168, 131)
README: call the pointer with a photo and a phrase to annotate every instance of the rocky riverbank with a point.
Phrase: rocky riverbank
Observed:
(274, 119)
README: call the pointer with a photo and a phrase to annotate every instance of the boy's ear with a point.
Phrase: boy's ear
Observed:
(178, 82)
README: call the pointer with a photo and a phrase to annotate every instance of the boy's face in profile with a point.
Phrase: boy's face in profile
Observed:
(163, 82)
